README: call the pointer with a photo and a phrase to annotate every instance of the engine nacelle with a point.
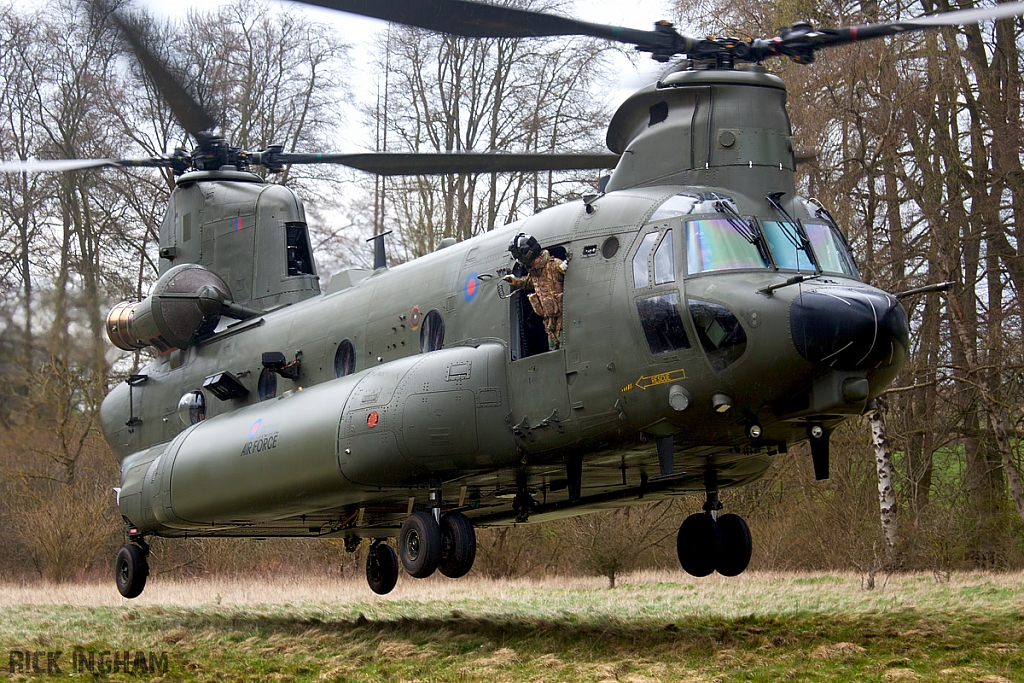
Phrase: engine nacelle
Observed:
(185, 302)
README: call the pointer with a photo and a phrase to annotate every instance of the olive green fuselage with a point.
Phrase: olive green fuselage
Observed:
(468, 414)
(452, 387)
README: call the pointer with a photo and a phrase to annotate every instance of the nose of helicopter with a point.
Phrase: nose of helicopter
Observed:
(850, 329)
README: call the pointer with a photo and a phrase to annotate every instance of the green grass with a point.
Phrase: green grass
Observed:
(653, 627)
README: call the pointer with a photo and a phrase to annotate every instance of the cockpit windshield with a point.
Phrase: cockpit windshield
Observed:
(731, 241)
(830, 249)
(721, 244)
(787, 245)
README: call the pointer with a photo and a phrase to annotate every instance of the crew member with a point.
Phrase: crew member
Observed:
(544, 277)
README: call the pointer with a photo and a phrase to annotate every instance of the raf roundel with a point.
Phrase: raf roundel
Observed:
(469, 290)
(255, 428)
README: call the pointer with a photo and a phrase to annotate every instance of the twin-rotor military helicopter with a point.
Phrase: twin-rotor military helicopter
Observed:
(712, 319)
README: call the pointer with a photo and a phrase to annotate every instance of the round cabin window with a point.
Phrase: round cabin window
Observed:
(192, 407)
(345, 359)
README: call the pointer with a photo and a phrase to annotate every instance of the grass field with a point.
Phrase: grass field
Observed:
(653, 627)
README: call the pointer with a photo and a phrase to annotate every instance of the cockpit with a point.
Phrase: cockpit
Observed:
(694, 234)
(731, 241)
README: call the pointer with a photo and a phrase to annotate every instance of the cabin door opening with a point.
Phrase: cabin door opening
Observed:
(527, 337)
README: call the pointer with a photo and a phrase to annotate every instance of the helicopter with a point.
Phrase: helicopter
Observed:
(712, 319)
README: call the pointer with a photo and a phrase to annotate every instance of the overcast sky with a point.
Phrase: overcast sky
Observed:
(359, 32)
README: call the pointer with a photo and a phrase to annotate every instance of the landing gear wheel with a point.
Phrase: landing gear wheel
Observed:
(736, 545)
(419, 544)
(381, 569)
(458, 545)
(699, 544)
(131, 571)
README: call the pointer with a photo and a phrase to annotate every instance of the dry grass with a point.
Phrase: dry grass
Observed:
(754, 593)
(653, 627)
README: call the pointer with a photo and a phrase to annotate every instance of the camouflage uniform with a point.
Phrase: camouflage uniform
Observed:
(545, 277)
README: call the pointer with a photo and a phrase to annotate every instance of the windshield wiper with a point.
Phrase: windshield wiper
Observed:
(795, 280)
(747, 229)
(792, 231)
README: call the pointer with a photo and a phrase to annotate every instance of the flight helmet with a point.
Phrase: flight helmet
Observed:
(524, 248)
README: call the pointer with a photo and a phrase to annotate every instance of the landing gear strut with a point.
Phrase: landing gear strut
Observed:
(131, 569)
(708, 542)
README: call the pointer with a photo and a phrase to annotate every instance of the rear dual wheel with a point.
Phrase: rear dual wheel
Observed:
(419, 544)
(458, 545)
(425, 546)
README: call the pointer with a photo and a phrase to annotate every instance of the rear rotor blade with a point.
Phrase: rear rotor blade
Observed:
(50, 165)
(397, 163)
(189, 113)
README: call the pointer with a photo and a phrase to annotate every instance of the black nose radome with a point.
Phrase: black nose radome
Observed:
(850, 329)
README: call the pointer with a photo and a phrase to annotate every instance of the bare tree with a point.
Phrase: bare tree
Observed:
(451, 94)
(919, 141)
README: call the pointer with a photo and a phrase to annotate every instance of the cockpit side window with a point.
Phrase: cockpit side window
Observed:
(665, 261)
(661, 322)
(721, 244)
(641, 274)
(659, 311)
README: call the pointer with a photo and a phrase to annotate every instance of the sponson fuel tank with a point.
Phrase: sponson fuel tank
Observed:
(438, 413)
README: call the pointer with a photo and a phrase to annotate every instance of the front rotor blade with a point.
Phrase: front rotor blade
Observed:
(479, 20)
(398, 163)
(797, 41)
(962, 17)
(189, 113)
(471, 19)
(51, 165)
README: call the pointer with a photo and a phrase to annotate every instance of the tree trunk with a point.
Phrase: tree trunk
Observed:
(994, 412)
(886, 492)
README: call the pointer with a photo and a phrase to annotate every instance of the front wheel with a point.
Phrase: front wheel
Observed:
(699, 544)
(419, 544)
(736, 545)
(131, 571)
(381, 569)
